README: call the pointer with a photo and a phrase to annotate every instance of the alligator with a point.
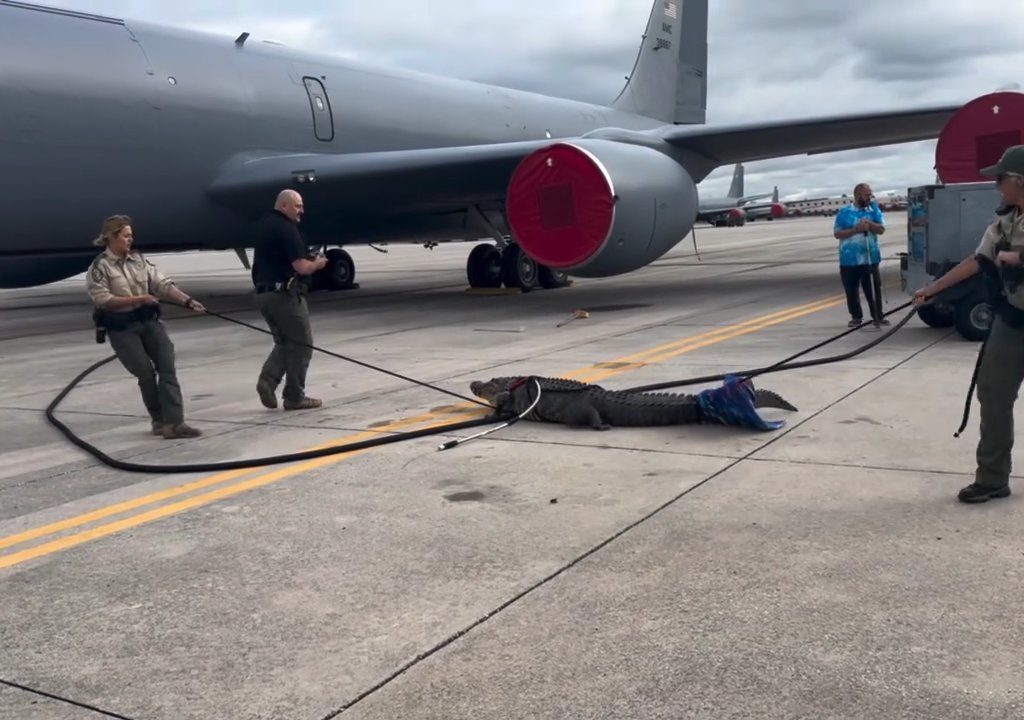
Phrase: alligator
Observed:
(579, 404)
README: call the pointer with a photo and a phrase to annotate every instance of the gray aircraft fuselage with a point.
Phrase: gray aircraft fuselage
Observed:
(100, 117)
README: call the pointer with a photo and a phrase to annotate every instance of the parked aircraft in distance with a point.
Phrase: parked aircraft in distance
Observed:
(719, 211)
(193, 135)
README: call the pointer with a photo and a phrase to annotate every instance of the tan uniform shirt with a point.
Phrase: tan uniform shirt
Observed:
(112, 276)
(1010, 227)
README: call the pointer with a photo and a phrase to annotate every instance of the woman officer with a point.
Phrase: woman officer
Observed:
(126, 289)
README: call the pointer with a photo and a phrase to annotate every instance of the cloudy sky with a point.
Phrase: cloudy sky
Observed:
(767, 60)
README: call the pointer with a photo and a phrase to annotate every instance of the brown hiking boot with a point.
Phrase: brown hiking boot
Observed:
(306, 403)
(181, 430)
(266, 393)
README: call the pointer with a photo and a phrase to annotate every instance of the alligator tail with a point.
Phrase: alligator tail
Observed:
(769, 399)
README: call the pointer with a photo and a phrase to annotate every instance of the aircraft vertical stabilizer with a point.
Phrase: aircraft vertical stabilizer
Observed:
(669, 80)
(736, 189)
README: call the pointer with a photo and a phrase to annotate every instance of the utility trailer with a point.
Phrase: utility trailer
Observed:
(945, 224)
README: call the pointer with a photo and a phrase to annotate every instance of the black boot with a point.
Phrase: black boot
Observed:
(974, 493)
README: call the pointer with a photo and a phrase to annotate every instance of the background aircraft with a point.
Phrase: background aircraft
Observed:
(194, 134)
(719, 211)
(765, 210)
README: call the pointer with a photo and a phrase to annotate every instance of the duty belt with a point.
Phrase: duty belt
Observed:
(123, 320)
(293, 285)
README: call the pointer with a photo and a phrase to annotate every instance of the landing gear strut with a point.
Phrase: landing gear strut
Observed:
(489, 267)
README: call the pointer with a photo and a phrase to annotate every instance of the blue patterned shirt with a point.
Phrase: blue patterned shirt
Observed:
(862, 248)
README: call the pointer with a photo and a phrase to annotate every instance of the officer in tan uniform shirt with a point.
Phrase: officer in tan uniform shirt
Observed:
(126, 290)
(1002, 365)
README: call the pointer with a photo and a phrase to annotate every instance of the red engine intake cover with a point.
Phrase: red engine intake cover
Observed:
(977, 135)
(778, 210)
(560, 205)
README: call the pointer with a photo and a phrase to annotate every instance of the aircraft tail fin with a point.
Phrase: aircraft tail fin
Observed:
(775, 194)
(736, 189)
(669, 80)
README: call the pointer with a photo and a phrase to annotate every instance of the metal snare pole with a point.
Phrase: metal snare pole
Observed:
(455, 443)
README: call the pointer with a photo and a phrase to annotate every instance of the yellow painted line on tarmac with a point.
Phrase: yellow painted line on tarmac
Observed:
(163, 511)
(592, 373)
(603, 371)
(144, 500)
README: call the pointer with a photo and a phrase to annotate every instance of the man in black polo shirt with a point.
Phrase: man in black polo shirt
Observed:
(280, 258)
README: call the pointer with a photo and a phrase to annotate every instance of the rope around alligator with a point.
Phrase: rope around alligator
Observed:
(734, 403)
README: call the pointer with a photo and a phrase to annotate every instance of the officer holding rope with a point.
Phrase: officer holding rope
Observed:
(126, 289)
(280, 268)
(1001, 369)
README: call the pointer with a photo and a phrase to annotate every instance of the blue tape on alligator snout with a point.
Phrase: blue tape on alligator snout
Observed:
(733, 404)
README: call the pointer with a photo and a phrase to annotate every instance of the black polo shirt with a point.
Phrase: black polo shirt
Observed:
(278, 244)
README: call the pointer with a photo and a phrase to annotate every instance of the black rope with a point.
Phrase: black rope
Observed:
(239, 464)
(787, 363)
(493, 417)
(974, 384)
(369, 366)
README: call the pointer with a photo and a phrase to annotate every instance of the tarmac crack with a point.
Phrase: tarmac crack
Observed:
(609, 540)
(840, 465)
(64, 700)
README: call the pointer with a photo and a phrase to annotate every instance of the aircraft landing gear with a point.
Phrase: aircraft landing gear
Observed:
(340, 273)
(550, 278)
(489, 267)
(518, 269)
(483, 268)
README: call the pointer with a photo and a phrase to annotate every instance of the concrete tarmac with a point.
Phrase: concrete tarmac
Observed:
(821, 570)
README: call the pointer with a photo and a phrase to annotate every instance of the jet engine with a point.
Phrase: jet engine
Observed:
(778, 210)
(594, 208)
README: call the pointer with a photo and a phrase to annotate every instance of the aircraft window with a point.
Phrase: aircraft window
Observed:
(172, 80)
(319, 103)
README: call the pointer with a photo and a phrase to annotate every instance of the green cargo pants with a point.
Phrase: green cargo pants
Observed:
(999, 380)
(287, 315)
(147, 352)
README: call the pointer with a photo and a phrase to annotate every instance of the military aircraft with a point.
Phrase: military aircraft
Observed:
(767, 210)
(193, 135)
(719, 211)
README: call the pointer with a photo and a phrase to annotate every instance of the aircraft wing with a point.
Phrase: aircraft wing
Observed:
(760, 141)
(396, 181)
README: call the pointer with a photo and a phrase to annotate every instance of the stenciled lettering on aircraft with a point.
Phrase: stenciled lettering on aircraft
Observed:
(666, 28)
(663, 44)
(670, 9)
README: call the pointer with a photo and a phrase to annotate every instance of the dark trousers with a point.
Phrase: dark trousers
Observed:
(147, 352)
(287, 316)
(999, 381)
(868, 279)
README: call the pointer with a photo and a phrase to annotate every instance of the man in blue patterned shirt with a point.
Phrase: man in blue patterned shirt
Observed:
(857, 228)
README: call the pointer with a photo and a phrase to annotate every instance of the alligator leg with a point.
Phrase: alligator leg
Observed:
(585, 415)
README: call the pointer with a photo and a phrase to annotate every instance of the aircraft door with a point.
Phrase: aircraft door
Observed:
(323, 121)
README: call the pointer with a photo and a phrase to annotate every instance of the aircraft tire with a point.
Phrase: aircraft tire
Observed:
(973, 317)
(340, 273)
(484, 267)
(934, 316)
(551, 279)
(519, 270)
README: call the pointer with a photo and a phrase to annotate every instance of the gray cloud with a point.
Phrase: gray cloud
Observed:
(769, 60)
